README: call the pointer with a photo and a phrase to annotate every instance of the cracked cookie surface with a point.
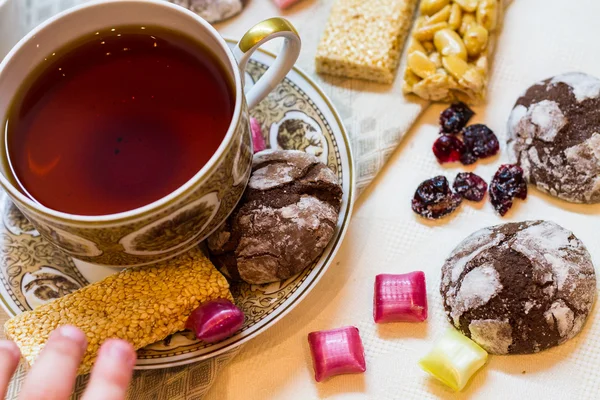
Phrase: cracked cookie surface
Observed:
(554, 135)
(519, 287)
(284, 221)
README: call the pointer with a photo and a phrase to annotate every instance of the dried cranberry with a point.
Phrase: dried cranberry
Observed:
(480, 141)
(448, 148)
(470, 186)
(455, 117)
(434, 198)
(508, 183)
(468, 158)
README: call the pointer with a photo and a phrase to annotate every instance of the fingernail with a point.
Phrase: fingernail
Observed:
(11, 348)
(122, 351)
(74, 334)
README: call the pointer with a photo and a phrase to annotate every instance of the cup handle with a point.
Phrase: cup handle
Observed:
(258, 35)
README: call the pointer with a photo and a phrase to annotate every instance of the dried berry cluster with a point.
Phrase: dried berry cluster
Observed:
(435, 198)
(478, 141)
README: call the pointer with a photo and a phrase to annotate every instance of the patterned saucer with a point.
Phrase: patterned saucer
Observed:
(296, 115)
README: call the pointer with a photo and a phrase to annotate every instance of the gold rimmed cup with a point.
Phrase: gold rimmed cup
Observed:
(180, 220)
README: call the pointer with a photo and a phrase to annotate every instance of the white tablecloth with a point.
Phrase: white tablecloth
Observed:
(540, 38)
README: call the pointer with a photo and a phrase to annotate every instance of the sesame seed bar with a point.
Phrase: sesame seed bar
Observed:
(450, 48)
(141, 305)
(363, 39)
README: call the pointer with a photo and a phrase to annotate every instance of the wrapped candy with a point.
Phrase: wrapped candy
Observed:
(454, 359)
(337, 351)
(257, 138)
(283, 4)
(215, 320)
(400, 298)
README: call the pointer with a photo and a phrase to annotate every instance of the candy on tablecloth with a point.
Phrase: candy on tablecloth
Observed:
(336, 351)
(400, 298)
(364, 38)
(454, 359)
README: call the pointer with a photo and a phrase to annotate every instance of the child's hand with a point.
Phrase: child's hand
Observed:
(52, 377)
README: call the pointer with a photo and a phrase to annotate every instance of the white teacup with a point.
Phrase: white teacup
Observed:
(159, 230)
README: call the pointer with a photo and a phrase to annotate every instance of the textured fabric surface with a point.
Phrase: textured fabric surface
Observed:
(540, 39)
(376, 117)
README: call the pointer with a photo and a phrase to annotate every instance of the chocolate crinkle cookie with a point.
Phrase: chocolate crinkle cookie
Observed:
(554, 135)
(284, 221)
(519, 287)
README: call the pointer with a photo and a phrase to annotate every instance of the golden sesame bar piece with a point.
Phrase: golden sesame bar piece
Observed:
(141, 305)
(450, 48)
(363, 39)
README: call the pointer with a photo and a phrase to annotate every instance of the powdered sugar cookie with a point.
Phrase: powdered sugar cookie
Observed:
(554, 135)
(519, 287)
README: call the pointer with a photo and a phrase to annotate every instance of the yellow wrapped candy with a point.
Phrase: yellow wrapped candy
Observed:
(454, 359)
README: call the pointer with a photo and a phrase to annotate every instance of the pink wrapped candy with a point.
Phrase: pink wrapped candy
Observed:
(257, 138)
(337, 351)
(215, 320)
(400, 298)
(283, 4)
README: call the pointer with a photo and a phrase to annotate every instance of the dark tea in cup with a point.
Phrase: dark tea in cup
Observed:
(118, 120)
(131, 143)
